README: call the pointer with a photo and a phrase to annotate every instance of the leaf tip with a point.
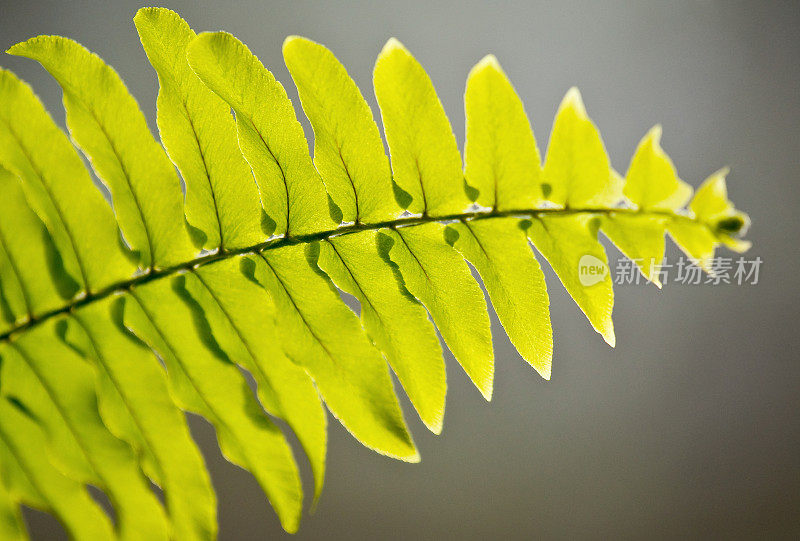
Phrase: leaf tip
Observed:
(488, 66)
(719, 177)
(16, 49)
(392, 45)
(546, 371)
(435, 426)
(654, 135)
(609, 336)
(413, 458)
(28, 47)
(294, 41)
(489, 61)
(574, 100)
(144, 12)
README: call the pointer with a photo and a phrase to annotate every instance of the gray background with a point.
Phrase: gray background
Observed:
(690, 426)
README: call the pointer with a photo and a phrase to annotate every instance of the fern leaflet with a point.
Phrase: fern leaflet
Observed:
(115, 323)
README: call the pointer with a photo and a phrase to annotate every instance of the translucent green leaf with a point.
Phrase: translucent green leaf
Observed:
(501, 157)
(23, 388)
(13, 308)
(106, 122)
(140, 381)
(640, 238)
(31, 255)
(433, 272)
(199, 134)
(712, 207)
(577, 171)
(711, 199)
(242, 318)
(395, 321)
(102, 346)
(205, 380)
(270, 136)
(348, 150)
(569, 243)
(735, 244)
(321, 334)
(425, 158)
(717, 221)
(110, 402)
(695, 240)
(500, 252)
(13, 477)
(59, 188)
(12, 527)
(652, 182)
(37, 483)
(68, 388)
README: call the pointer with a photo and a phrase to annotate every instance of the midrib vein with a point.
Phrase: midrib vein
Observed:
(155, 274)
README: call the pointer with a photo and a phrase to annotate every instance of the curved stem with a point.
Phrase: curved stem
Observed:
(272, 244)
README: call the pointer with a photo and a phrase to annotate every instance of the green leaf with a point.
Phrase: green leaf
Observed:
(712, 207)
(695, 240)
(501, 156)
(30, 254)
(199, 134)
(348, 150)
(13, 308)
(321, 334)
(576, 167)
(711, 199)
(58, 187)
(59, 389)
(433, 272)
(242, 318)
(395, 321)
(102, 346)
(270, 136)
(652, 182)
(21, 386)
(717, 221)
(106, 122)
(499, 251)
(640, 238)
(206, 382)
(569, 243)
(136, 376)
(425, 158)
(12, 527)
(37, 483)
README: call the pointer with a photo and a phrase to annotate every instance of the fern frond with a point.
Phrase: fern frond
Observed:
(111, 329)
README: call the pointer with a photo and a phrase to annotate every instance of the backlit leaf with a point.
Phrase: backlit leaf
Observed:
(433, 272)
(270, 136)
(425, 160)
(501, 157)
(321, 334)
(348, 150)
(569, 243)
(199, 134)
(499, 250)
(395, 321)
(577, 171)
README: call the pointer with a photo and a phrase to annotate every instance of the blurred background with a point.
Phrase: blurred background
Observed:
(689, 428)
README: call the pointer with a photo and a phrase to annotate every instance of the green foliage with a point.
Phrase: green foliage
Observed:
(111, 329)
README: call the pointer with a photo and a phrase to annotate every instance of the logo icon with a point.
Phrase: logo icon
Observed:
(591, 270)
